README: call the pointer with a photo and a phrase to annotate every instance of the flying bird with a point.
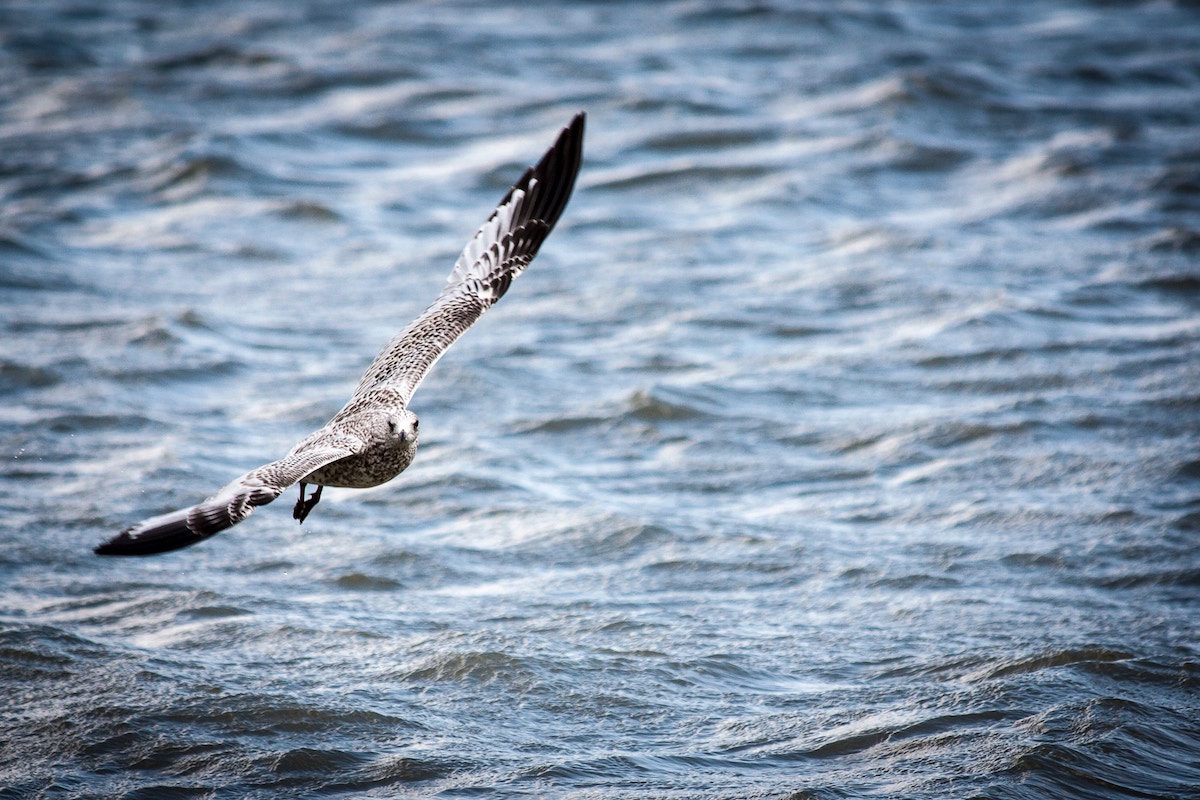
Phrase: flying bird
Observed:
(374, 437)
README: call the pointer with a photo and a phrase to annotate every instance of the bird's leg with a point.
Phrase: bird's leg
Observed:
(304, 506)
(312, 501)
(299, 509)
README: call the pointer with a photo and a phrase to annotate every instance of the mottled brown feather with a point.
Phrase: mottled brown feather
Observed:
(497, 253)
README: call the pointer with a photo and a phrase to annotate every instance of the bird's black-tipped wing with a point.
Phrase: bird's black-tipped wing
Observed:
(498, 252)
(227, 507)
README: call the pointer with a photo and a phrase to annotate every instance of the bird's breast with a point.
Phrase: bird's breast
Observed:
(371, 467)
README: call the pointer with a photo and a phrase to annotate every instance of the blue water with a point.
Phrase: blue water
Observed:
(841, 442)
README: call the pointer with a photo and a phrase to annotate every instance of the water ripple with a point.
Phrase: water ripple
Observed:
(840, 443)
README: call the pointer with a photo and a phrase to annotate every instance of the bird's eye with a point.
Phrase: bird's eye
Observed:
(391, 426)
(416, 423)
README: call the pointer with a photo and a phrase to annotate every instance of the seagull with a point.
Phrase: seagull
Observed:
(374, 437)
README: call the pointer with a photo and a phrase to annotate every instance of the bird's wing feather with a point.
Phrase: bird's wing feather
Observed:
(498, 252)
(230, 505)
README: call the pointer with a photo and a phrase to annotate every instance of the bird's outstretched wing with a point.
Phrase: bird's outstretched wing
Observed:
(498, 252)
(229, 506)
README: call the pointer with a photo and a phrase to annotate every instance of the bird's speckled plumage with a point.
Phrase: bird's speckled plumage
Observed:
(374, 437)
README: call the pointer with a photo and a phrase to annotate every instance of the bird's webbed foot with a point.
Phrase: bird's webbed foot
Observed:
(304, 506)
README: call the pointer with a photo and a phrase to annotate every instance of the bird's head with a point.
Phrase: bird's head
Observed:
(400, 428)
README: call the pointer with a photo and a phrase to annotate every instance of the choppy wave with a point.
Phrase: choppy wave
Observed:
(842, 441)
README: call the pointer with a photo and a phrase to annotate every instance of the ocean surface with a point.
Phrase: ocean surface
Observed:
(842, 442)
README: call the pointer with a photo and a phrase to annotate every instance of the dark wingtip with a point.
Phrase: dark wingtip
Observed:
(120, 545)
(556, 173)
(171, 534)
